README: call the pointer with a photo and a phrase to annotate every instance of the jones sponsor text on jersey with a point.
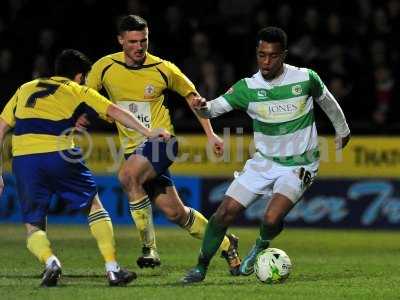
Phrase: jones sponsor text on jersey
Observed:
(279, 111)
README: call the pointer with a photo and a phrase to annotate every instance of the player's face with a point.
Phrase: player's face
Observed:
(134, 45)
(270, 58)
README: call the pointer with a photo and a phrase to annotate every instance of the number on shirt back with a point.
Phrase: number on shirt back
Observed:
(49, 89)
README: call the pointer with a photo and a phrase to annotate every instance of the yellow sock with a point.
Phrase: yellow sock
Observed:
(142, 215)
(196, 226)
(39, 245)
(102, 230)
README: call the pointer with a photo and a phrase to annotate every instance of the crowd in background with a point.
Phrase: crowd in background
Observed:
(352, 45)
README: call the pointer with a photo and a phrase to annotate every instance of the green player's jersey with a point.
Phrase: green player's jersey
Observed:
(282, 113)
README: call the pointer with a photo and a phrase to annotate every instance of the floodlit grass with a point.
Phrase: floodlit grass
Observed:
(327, 265)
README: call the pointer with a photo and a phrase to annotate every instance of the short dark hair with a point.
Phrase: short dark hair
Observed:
(273, 35)
(131, 23)
(71, 62)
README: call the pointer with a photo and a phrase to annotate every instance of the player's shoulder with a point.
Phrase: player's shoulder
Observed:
(26, 87)
(299, 73)
(79, 88)
(240, 85)
(295, 69)
(30, 86)
(302, 70)
(109, 59)
(31, 83)
(161, 63)
(151, 59)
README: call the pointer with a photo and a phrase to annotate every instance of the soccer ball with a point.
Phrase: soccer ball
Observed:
(272, 266)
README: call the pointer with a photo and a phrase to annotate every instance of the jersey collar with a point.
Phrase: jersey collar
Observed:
(144, 66)
(274, 82)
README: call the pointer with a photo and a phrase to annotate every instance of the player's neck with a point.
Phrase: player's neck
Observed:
(132, 63)
(278, 74)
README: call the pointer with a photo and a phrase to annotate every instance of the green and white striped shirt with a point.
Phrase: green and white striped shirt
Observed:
(282, 113)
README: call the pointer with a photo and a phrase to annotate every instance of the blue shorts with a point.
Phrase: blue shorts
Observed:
(161, 155)
(40, 176)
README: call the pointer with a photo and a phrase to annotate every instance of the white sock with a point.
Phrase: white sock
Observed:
(112, 266)
(51, 259)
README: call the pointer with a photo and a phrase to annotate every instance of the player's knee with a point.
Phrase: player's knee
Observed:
(224, 216)
(272, 220)
(32, 228)
(96, 204)
(175, 216)
(129, 179)
(228, 211)
(123, 178)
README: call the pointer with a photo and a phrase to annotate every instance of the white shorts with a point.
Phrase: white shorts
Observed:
(263, 178)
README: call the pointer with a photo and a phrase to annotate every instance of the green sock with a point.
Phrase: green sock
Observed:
(267, 234)
(264, 234)
(262, 244)
(213, 237)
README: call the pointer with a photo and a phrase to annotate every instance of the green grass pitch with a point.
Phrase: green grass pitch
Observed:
(328, 264)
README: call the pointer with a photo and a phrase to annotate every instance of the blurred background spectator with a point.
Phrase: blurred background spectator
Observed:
(353, 45)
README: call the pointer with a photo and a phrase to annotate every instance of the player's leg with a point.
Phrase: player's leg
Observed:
(240, 194)
(169, 202)
(39, 245)
(102, 230)
(34, 194)
(213, 236)
(271, 226)
(288, 188)
(135, 171)
(148, 161)
(74, 182)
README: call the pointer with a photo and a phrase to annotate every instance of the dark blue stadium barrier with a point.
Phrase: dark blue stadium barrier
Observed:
(111, 194)
(329, 203)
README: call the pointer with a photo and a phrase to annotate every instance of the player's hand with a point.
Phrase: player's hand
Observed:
(198, 102)
(217, 143)
(341, 142)
(1, 185)
(160, 133)
(82, 123)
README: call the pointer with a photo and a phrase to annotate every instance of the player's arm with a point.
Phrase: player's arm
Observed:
(178, 82)
(332, 109)
(4, 127)
(129, 120)
(211, 109)
(7, 120)
(93, 80)
(213, 138)
(104, 107)
(234, 98)
(335, 114)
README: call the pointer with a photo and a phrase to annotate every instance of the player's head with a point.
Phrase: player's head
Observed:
(271, 51)
(72, 64)
(133, 36)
